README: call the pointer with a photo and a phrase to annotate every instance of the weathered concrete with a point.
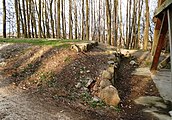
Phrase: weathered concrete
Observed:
(155, 106)
(142, 71)
(162, 80)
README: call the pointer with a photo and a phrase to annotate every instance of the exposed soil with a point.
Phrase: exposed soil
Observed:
(39, 81)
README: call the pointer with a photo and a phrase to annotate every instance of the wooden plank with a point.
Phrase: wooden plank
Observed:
(169, 12)
(161, 40)
(164, 6)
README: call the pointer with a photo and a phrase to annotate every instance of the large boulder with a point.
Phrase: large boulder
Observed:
(94, 43)
(106, 75)
(111, 69)
(127, 55)
(112, 57)
(104, 83)
(110, 95)
(75, 48)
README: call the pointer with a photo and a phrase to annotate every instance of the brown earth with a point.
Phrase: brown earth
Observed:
(43, 78)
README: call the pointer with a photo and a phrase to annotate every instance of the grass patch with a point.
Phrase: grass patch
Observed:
(55, 42)
(86, 96)
(95, 104)
(47, 78)
(116, 108)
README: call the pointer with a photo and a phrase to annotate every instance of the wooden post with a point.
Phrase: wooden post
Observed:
(156, 33)
(169, 12)
(161, 39)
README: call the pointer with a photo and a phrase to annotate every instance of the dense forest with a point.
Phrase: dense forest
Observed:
(119, 23)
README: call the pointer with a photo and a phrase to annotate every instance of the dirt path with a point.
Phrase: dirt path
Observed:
(15, 105)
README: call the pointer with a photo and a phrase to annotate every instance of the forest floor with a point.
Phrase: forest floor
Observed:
(38, 83)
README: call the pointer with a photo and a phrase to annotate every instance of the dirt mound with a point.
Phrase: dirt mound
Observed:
(49, 75)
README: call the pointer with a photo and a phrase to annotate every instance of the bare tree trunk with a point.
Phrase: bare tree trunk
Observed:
(83, 33)
(126, 38)
(133, 35)
(129, 24)
(63, 20)
(87, 20)
(108, 14)
(104, 26)
(99, 22)
(4, 19)
(70, 20)
(28, 17)
(39, 19)
(146, 31)
(34, 9)
(58, 20)
(47, 20)
(43, 20)
(21, 19)
(17, 18)
(139, 20)
(114, 43)
(121, 25)
(55, 18)
(24, 15)
(32, 19)
(52, 20)
(76, 21)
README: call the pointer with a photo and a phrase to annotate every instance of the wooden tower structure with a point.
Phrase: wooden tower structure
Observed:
(163, 20)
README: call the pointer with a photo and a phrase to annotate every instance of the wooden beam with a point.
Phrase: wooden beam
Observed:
(156, 33)
(160, 2)
(169, 12)
(163, 7)
(161, 40)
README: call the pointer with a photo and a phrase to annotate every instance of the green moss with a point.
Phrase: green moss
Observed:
(56, 42)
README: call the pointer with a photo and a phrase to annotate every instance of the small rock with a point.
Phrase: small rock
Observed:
(110, 95)
(112, 57)
(3, 64)
(106, 75)
(88, 71)
(24, 88)
(111, 62)
(104, 83)
(111, 52)
(78, 85)
(95, 99)
(85, 89)
(127, 55)
(170, 113)
(61, 111)
(81, 72)
(132, 62)
(95, 87)
(2, 59)
(90, 81)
